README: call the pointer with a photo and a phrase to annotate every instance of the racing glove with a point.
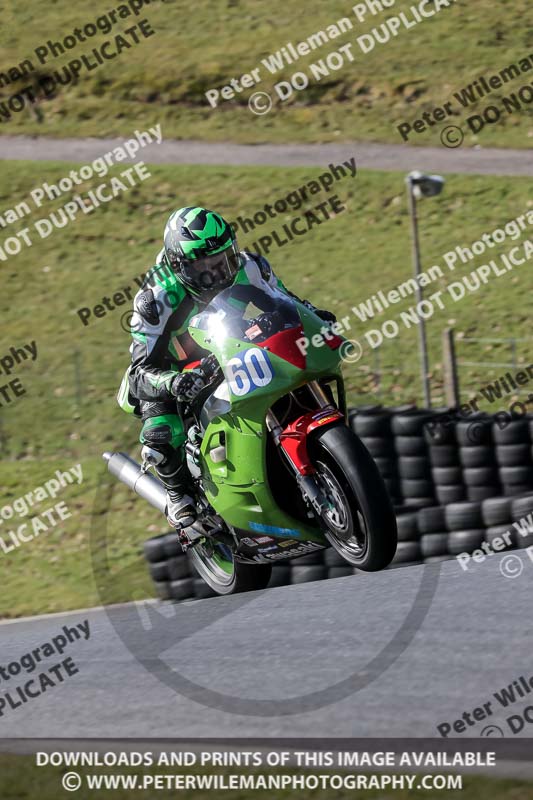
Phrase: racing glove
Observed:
(209, 366)
(187, 385)
(327, 316)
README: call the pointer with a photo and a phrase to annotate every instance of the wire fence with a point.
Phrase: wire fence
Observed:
(508, 372)
(490, 368)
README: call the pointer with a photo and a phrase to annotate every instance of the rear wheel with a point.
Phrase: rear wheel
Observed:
(215, 563)
(360, 522)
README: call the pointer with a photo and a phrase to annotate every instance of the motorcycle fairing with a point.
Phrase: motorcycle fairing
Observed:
(256, 376)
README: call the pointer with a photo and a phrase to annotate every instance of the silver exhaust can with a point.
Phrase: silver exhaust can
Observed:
(144, 484)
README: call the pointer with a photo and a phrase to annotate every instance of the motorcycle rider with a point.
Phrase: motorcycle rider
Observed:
(200, 257)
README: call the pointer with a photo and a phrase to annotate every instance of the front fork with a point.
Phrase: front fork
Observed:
(303, 472)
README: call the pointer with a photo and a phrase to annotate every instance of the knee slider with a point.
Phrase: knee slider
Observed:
(157, 439)
(162, 432)
(157, 434)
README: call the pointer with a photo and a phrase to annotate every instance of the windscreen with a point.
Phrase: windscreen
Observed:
(249, 313)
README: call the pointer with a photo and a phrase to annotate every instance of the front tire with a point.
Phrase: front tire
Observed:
(216, 565)
(360, 522)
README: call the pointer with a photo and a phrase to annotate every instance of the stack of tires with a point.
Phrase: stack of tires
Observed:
(336, 566)
(413, 457)
(464, 524)
(455, 483)
(373, 426)
(428, 457)
(522, 519)
(408, 550)
(512, 438)
(281, 574)
(478, 457)
(308, 568)
(433, 533)
(429, 534)
(316, 567)
(497, 518)
(169, 568)
(510, 518)
(446, 470)
(438, 533)
(175, 578)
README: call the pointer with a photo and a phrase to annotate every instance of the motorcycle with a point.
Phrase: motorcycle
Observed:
(277, 472)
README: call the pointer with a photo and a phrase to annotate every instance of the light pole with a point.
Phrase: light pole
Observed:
(418, 186)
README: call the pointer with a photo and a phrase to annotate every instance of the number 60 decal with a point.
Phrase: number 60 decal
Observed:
(249, 371)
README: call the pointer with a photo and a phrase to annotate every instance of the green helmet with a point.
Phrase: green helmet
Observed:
(201, 248)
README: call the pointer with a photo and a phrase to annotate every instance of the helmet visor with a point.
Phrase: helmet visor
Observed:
(211, 272)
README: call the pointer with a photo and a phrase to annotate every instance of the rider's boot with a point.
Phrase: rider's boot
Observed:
(181, 507)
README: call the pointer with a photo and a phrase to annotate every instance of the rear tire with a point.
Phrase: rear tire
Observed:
(216, 565)
(361, 525)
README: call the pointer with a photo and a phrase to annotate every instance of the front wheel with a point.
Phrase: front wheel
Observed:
(215, 563)
(359, 521)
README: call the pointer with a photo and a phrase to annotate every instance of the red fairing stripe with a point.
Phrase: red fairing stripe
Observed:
(283, 344)
(333, 341)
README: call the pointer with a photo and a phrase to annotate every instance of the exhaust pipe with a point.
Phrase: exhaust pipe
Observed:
(143, 483)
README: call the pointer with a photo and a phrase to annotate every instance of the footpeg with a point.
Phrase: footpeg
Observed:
(184, 540)
(188, 537)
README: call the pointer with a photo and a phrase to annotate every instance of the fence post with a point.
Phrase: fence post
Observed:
(451, 377)
(377, 373)
(77, 378)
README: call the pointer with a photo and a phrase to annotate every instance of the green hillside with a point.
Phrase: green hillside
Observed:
(166, 66)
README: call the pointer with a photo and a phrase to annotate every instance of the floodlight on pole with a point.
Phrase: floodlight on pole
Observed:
(418, 187)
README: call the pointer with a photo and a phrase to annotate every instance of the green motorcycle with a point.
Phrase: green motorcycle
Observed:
(276, 471)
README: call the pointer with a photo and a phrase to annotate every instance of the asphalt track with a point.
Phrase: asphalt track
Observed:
(477, 160)
(283, 643)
